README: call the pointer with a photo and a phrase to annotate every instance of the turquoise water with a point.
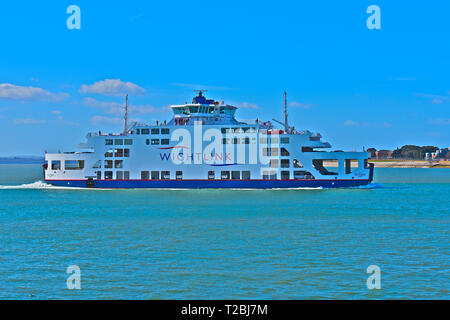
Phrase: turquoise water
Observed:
(220, 244)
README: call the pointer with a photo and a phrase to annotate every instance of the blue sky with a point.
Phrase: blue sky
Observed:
(357, 87)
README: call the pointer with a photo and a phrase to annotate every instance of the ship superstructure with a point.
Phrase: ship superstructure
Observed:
(204, 146)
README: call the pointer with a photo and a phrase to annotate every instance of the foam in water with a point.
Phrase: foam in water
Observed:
(38, 185)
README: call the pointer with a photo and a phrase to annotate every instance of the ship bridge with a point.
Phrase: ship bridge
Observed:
(208, 111)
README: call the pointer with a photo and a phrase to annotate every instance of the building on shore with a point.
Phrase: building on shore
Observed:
(383, 154)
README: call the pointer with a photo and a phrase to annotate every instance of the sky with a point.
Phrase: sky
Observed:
(358, 87)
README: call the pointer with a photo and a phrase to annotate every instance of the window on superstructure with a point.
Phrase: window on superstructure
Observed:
(165, 175)
(109, 142)
(211, 110)
(74, 164)
(109, 154)
(118, 142)
(165, 131)
(155, 175)
(236, 140)
(99, 175)
(126, 153)
(108, 164)
(145, 131)
(269, 175)
(223, 130)
(165, 141)
(108, 175)
(179, 175)
(155, 130)
(225, 175)
(284, 140)
(285, 175)
(145, 175)
(263, 140)
(285, 163)
(274, 163)
(245, 175)
(118, 164)
(245, 129)
(128, 142)
(119, 175)
(118, 153)
(155, 142)
(126, 175)
(147, 141)
(211, 175)
(237, 130)
(284, 152)
(56, 165)
(246, 140)
(273, 140)
(235, 175)
(297, 164)
(194, 109)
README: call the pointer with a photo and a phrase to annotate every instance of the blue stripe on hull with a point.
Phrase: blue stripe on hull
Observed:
(214, 184)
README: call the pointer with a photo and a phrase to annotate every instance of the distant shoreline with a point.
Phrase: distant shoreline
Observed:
(399, 163)
(22, 160)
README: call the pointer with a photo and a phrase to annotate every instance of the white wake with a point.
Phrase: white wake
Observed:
(38, 185)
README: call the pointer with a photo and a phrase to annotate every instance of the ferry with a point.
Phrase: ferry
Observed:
(204, 146)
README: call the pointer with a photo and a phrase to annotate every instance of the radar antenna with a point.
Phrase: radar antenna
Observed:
(200, 92)
(125, 120)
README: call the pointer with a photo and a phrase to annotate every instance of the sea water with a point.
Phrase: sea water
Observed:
(226, 244)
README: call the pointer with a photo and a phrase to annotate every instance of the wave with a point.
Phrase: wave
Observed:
(369, 186)
(39, 185)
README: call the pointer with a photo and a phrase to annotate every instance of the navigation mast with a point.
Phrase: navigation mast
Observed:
(125, 122)
(286, 125)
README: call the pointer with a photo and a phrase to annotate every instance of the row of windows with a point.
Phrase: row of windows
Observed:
(237, 140)
(157, 141)
(228, 175)
(273, 140)
(146, 131)
(238, 130)
(120, 175)
(224, 175)
(68, 164)
(118, 153)
(118, 142)
(285, 163)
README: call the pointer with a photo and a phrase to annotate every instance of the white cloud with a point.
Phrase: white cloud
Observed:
(384, 125)
(115, 108)
(435, 99)
(246, 105)
(113, 87)
(439, 121)
(13, 92)
(300, 105)
(28, 121)
(57, 112)
(351, 123)
(105, 120)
